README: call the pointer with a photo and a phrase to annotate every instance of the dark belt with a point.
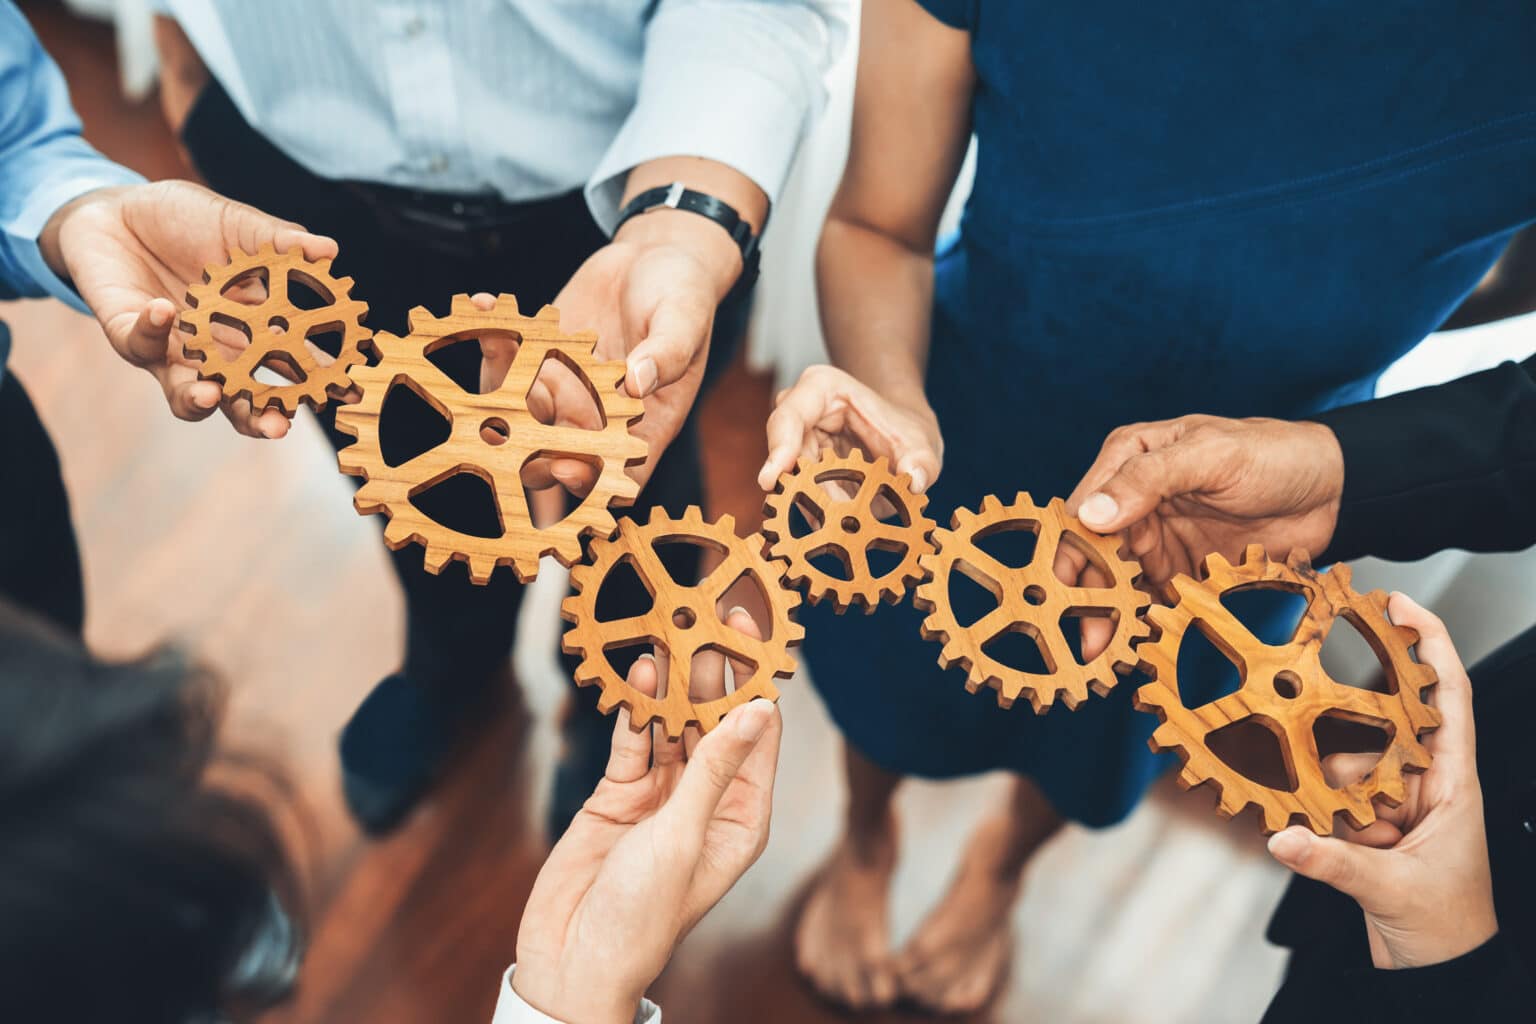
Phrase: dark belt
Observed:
(462, 224)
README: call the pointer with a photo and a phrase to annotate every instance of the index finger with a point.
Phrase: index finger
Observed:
(1456, 738)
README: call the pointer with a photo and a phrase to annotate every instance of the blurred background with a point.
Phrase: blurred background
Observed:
(250, 555)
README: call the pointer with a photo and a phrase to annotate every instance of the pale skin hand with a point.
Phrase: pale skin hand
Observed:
(1181, 489)
(874, 264)
(130, 253)
(668, 831)
(1420, 873)
(650, 296)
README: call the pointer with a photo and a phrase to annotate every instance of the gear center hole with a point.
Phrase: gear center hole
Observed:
(278, 324)
(495, 431)
(850, 524)
(685, 618)
(1288, 684)
(1034, 594)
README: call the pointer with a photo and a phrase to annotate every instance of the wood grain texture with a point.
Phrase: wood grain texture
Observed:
(1033, 600)
(493, 435)
(277, 330)
(840, 497)
(683, 619)
(1286, 689)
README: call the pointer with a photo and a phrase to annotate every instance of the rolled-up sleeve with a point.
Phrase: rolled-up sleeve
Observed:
(734, 81)
(44, 163)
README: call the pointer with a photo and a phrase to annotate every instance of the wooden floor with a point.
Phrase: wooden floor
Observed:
(250, 554)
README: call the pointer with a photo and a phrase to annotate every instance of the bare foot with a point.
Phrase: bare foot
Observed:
(960, 954)
(842, 941)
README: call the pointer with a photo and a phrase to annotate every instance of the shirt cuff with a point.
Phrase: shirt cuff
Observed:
(23, 230)
(511, 1009)
(698, 99)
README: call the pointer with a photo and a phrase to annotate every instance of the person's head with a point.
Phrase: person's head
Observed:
(130, 889)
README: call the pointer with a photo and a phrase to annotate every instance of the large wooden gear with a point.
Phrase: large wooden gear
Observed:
(1285, 688)
(847, 528)
(276, 329)
(682, 619)
(1031, 600)
(493, 435)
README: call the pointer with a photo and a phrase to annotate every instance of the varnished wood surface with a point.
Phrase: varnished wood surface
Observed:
(841, 498)
(493, 435)
(684, 619)
(1031, 599)
(250, 552)
(1285, 689)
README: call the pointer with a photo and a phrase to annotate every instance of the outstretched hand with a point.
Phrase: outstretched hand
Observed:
(668, 831)
(1420, 871)
(131, 252)
(1184, 488)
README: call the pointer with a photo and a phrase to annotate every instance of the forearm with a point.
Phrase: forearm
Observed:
(1448, 466)
(876, 298)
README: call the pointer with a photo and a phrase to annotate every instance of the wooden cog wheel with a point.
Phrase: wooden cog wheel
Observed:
(277, 329)
(492, 435)
(848, 529)
(1286, 690)
(682, 619)
(1031, 600)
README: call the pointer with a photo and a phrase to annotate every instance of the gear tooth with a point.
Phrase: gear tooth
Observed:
(418, 318)
(397, 532)
(990, 505)
(727, 523)
(570, 611)
(547, 312)
(1254, 554)
(1183, 586)
(1189, 778)
(609, 702)
(436, 558)
(461, 305)
(1343, 574)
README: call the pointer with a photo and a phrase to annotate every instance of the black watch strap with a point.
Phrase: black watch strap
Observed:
(677, 196)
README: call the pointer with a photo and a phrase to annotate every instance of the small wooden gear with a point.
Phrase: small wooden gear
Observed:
(848, 529)
(492, 435)
(1031, 600)
(1285, 689)
(276, 329)
(682, 619)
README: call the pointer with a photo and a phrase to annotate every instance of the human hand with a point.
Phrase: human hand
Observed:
(650, 295)
(1420, 871)
(828, 408)
(668, 831)
(130, 252)
(1181, 489)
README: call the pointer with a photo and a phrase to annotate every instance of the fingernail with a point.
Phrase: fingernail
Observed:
(1288, 846)
(919, 481)
(205, 398)
(643, 374)
(160, 316)
(1099, 508)
(646, 656)
(737, 610)
(752, 722)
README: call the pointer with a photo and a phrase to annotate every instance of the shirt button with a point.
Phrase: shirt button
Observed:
(414, 28)
(438, 164)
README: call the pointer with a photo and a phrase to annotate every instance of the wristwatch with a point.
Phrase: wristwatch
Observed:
(678, 196)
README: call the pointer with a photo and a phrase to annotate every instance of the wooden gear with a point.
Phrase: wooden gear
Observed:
(848, 529)
(1031, 600)
(682, 619)
(492, 435)
(314, 384)
(1285, 688)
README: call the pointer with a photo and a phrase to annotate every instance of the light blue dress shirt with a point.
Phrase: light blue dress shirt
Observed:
(44, 163)
(522, 98)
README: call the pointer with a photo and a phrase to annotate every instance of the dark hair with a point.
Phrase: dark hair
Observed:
(130, 890)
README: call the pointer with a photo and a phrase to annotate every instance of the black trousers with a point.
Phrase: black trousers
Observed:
(457, 632)
(39, 558)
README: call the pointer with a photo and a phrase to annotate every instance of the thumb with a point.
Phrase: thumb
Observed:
(713, 767)
(1356, 871)
(676, 334)
(1141, 484)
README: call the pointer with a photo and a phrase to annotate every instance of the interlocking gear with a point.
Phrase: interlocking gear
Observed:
(683, 620)
(1031, 600)
(847, 528)
(277, 329)
(1285, 688)
(492, 435)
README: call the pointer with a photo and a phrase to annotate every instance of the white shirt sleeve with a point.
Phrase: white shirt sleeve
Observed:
(735, 81)
(510, 1008)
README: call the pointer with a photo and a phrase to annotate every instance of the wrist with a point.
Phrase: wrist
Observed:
(50, 241)
(705, 241)
(580, 1003)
